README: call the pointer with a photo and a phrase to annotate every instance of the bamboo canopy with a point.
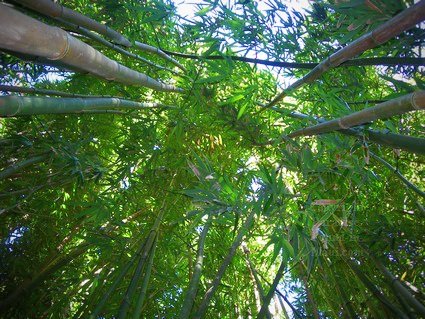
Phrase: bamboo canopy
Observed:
(55, 10)
(23, 34)
(13, 105)
(406, 103)
(393, 27)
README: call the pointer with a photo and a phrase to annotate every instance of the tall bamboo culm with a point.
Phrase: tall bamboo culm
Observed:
(26, 35)
(13, 105)
(388, 30)
(406, 103)
(55, 10)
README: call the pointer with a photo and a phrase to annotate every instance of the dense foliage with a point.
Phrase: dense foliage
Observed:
(108, 214)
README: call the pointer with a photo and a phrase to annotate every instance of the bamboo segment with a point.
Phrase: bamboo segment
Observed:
(26, 35)
(13, 105)
(55, 10)
(406, 103)
(148, 48)
(393, 27)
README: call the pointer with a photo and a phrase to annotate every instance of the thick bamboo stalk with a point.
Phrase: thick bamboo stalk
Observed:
(196, 277)
(203, 307)
(406, 103)
(21, 165)
(151, 49)
(13, 105)
(112, 46)
(23, 34)
(386, 61)
(55, 10)
(403, 21)
(21, 89)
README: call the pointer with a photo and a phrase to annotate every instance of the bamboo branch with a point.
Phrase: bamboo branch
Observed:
(406, 103)
(39, 39)
(151, 49)
(405, 20)
(55, 10)
(386, 61)
(203, 307)
(192, 288)
(21, 165)
(13, 105)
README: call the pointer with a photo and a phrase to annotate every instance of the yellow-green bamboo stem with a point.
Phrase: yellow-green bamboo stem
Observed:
(55, 10)
(13, 105)
(151, 49)
(23, 34)
(406, 103)
(403, 21)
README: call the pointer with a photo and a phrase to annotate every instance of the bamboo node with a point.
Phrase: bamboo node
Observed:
(374, 40)
(20, 104)
(414, 102)
(65, 50)
(341, 124)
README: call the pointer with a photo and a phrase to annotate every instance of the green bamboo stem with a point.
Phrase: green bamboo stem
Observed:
(25, 105)
(403, 21)
(396, 141)
(398, 174)
(403, 104)
(385, 61)
(271, 292)
(142, 296)
(55, 10)
(151, 49)
(196, 276)
(52, 267)
(396, 285)
(36, 38)
(13, 169)
(21, 89)
(203, 307)
(375, 291)
(112, 46)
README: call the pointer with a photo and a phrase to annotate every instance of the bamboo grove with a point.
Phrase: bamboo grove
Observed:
(240, 159)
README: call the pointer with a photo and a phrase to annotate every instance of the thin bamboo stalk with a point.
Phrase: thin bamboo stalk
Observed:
(151, 49)
(192, 288)
(271, 292)
(403, 21)
(406, 103)
(23, 34)
(203, 307)
(375, 291)
(398, 174)
(141, 299)
(55, 10)
(386, 61)
(13, 105)
(398, 287)
(13, 169)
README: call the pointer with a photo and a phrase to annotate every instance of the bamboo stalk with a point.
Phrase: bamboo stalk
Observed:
(403, 21)
(203, 307)
(55, 10)
(273, 287)
(112, 46)
(403, 104)
(151, 49)
(399, 175)
(13, 105)
(386, 61)
(7, 172)
(192, 288)
(396, 285)
(23, 34)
